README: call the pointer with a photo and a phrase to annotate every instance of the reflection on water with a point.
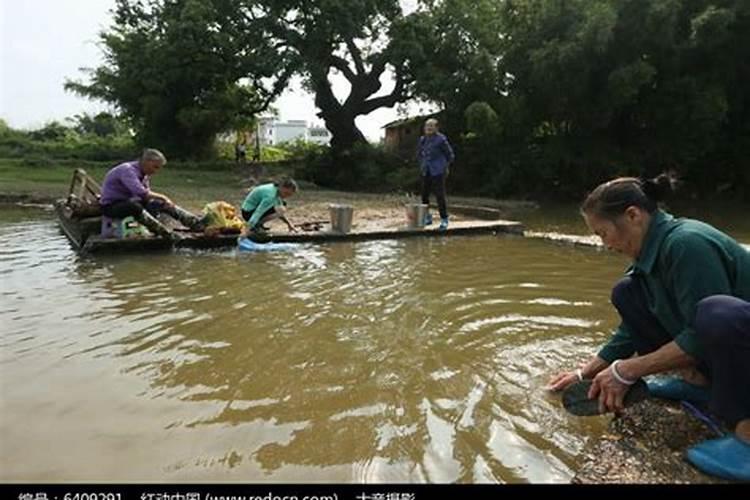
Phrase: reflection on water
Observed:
(390, 361)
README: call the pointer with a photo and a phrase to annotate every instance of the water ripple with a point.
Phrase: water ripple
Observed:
(378, 361)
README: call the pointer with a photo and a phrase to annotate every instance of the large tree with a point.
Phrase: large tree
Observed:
(174, 67)
(584, 90)
(363, 40)
(184, 70)
(457, 61)
(648, 85)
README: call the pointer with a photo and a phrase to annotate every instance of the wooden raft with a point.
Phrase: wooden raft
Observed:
(80, 220)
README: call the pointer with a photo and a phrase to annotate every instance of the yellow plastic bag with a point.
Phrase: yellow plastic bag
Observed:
(222, 216)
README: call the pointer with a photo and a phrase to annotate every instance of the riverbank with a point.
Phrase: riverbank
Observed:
(192, 188)
(28, 182)
(24, 181)
(646, 444)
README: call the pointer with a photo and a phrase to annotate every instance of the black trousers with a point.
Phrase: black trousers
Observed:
(130, 208)
(722, 324)
(247, 215)
(122, 209)
(436, 184)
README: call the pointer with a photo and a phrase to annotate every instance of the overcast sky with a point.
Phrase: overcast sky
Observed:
(46, 41)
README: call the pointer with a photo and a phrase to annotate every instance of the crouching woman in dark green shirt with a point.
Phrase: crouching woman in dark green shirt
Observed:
(684, 305)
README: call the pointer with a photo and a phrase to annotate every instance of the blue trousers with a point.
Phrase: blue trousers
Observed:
(722, 324)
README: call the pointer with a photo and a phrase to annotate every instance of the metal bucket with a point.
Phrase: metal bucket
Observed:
(341, 217)
(415, 214)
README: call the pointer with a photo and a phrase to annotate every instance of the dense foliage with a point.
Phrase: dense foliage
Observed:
(539, 97)
(101, 137)
(183, 71)
(585, 90)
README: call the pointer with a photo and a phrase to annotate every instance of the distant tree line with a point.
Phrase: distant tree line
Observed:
(541, 97)
(93, 137)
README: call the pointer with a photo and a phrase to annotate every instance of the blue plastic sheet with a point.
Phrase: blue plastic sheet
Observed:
(247, 245)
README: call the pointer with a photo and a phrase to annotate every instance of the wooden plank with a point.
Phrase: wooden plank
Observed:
(455, 228)
(567, 239)
(578, 240)
(84, 233)
(484, 213)
(84, 187)
(96, 244)
(68, 226)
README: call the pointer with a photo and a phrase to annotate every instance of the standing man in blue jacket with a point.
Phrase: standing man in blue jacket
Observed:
(435, 155)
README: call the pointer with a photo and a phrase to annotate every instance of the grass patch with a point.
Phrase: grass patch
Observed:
(192, 184)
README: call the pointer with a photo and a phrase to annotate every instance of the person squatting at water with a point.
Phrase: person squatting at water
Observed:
(266, 203)
(126, 191)
(684, 305)
(434, 154)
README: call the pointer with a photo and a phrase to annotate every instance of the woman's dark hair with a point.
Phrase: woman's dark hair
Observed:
(610, 199)
(289, 183)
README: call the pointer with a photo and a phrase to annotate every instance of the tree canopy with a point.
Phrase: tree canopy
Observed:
(184, 70)
(361, 40)
(586, 90)
(538, 95)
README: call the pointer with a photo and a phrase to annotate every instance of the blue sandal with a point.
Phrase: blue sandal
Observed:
(727, 457)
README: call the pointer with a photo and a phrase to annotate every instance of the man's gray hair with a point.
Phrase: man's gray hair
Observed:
(153, 154)
(289, 183)
(433, 121)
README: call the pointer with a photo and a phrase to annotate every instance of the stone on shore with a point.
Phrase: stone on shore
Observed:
(646, 444)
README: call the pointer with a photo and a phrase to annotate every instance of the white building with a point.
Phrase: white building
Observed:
(272, 131)
(288, 131)
(318, 135)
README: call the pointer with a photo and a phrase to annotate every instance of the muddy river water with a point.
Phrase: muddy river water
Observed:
(419, 360)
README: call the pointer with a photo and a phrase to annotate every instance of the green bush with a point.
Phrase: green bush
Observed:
(363, 168)
(280, 152)
(4, 128)
(206, 165)
(270, 153)
(299, 148)
(58, 141)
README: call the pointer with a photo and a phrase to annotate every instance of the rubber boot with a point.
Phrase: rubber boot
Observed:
(153, 225)
(186, 218)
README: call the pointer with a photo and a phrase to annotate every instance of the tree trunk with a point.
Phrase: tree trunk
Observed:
(344, 132)
(339, 118)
